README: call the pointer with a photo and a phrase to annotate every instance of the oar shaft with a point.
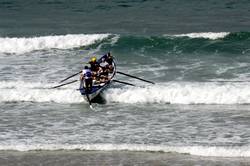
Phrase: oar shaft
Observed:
(89, 101)
(122, 82)
(134, 77)
(64, 84)
(70, 76)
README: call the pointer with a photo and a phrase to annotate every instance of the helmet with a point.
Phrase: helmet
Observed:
(93, 59)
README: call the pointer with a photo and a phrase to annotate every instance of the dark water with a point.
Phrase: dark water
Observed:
(46, 17)
(197, 53)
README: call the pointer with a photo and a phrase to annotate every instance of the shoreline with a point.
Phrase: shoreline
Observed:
(78, 157)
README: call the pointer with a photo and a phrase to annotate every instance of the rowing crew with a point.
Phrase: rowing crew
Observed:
(98, 72)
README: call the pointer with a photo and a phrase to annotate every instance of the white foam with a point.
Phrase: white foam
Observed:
(173, 92)
(22, 45)
(183, 93)
(38, 92)
(215, 151)
(208, 35)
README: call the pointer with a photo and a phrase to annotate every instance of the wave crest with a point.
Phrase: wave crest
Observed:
(173, 93)
(23, 45)
(37, 92)
(183, 93)
(206, 35)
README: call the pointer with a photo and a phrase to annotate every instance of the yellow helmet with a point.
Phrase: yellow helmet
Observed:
(93, 59)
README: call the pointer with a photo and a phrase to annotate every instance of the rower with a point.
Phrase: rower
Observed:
(103, 62)
(95, 66)
(109, 60)
(86, 76)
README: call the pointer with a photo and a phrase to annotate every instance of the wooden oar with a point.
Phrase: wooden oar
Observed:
(64, 84)
(70, 76)
(122, 82)
(135, 77)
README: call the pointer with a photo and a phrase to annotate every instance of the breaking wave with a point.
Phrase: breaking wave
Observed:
(178, 43)
(23, 45)
(207, 35)
(205, 43)
(183, 93)
(173, 93)
(215, 151)
(38, 92)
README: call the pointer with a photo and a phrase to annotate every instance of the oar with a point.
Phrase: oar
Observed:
(122, 82)
(87, 96)
(64, 84)
(90, 104)
(134, 77)
(70, 76)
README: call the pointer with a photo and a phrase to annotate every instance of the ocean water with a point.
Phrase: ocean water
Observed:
(197, 53)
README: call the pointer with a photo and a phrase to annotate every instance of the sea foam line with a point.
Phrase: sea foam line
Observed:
(183, 93)
(207, 35)
(21, 91)
(22, 45)
(215, 151)
(172, 92)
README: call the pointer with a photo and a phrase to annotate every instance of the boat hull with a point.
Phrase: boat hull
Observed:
(93, 95)
(97, 88)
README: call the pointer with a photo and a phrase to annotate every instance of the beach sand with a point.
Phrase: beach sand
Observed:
(76, 158)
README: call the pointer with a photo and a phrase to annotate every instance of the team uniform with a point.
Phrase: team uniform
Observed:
(87, 77)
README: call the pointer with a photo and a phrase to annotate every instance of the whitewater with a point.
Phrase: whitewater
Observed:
(164, 93)
(22, 45)
(196, 53)
(192, 150)
(199, 105)
(207, 35)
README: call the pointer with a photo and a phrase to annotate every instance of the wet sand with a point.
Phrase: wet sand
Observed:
(76, 158)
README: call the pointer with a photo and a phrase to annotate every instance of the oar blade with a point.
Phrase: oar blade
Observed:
(89, 101)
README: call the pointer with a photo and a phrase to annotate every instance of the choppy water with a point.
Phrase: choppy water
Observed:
(200, 63)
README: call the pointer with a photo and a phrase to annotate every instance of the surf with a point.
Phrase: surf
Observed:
(183, 93)
(161, 93)
(208, 42)
(213, 151)
(22, 45)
